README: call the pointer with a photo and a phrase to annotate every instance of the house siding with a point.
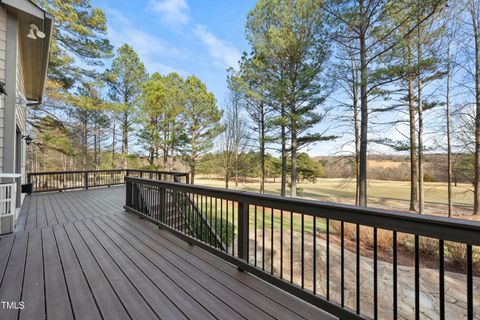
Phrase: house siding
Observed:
(21, 108)
(3, 46)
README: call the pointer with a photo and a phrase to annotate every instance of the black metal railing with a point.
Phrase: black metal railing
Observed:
(67, 180)
(353, 262)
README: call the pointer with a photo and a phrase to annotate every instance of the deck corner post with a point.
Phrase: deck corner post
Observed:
(85, 179)
(243, 230)
(128, 197)
(163, 204)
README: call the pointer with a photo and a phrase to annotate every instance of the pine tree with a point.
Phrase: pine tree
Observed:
(125, 79)
(201, 122)
(290, 38)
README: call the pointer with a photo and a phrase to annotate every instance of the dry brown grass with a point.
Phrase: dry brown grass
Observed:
(455, 253)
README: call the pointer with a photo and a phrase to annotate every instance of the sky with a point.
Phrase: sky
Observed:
(190, 37)
(204, 38)
(199, 37)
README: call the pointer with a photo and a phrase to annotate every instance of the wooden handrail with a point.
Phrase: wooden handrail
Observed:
(84, 179)
(244, 209)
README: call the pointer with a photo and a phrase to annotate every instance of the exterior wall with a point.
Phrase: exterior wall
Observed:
(13, 116)
(3, 46)
(20, 112)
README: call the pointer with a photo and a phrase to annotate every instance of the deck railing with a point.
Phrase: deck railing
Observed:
(344, 259)
(7, 207)
(67, 180)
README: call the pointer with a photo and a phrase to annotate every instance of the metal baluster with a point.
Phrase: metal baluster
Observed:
(255, 236)
(281, 244)
(263, 238)
(216, 222)
(271, 242)
(291, 247)
(395, 275)
(441, 274)
(303, 253)
(469, 282)
(375, 274)
(342, 264)
(211, 231)
(221, 223)
(328, 259)
(358, 268)
(417, 279)
(233, 228)
(226, 226)
(314, 258)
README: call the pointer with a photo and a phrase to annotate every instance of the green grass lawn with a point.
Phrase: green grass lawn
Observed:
(386, 194)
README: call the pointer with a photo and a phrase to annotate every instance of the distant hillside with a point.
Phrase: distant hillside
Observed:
(390, 167)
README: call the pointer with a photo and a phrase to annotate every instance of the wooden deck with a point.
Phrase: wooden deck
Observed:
(78, 255)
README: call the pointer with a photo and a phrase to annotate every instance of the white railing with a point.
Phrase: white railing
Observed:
(7, 206)
(8, 201)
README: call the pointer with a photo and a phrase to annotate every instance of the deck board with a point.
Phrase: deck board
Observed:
(83, 302)
(56, 292)
(168, 288)
(33, 284)
(11, 286)
(78, 255)
(109, 304)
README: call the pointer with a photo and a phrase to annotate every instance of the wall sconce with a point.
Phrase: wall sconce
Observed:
(28, 139)
(35, 32)
(2, 88)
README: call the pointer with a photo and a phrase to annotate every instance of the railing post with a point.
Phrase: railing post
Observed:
(243, 226)
(135, 197)
(128, 197)
(85, 179)
(162, 204)
(29, 181)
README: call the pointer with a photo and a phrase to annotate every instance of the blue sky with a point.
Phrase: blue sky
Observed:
(200, 37)
(204, 38)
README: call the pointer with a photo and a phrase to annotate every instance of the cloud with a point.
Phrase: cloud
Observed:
(223, 53)
(148, 46)
(172, 12)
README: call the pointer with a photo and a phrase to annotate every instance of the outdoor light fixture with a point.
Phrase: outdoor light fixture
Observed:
(35, 32)
(28, 139)
(2, 88)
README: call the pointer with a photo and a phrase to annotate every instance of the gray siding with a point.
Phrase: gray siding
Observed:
(3, 46)
(21, 109)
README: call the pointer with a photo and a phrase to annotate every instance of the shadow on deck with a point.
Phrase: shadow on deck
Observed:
(78, 255)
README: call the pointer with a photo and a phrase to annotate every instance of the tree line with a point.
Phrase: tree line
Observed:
(360, 65)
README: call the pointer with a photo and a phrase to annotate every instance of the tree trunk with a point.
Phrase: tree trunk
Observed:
(125, 140)
(293, 156)
(85, 141)
(476, 186)
(421, 193)
(413, 139)
(165, 147)
(236, 169)
(151, 155)
(192, 173)
(95, 142)
(283, 182)
(114, 140)
(262, 151)
(362, 193)
(356, 127)
(449, 139)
